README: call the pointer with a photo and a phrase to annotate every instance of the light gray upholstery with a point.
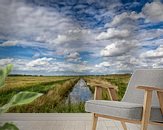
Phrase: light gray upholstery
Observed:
(146, 77)
(124, 110)
(132, 104)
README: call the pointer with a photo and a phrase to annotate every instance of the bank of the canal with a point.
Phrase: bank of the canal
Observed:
(76, 99)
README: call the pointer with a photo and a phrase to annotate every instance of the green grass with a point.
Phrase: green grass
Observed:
(70, 108)
(44, 87)
(48, 102)
(55, 90)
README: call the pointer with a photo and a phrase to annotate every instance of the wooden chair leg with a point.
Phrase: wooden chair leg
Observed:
(94, 123)
(124, 125)
(160, 98)
(146, 110)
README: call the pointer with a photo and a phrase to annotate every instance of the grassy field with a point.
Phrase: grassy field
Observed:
(55, 91)
(53, 88)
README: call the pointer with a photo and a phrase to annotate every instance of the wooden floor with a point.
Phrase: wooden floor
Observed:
(68, 121)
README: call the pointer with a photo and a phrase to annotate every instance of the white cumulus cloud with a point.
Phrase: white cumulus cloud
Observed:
(9, 43)
(113, 33)
(61, 39)
(158, 53)
(153, 11)
(118, 48)
(6, 61)
(40, 62)
(74, 56)
(104, 64)
(121, 17)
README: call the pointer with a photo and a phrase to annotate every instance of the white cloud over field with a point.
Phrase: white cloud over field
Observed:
(86, 40)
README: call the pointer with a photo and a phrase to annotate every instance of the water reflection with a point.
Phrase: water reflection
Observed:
(80, 93)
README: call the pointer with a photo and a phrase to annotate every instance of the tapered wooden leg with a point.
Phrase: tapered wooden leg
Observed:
(94, 123)
(160, 98)
(146, 110)
(124, 125)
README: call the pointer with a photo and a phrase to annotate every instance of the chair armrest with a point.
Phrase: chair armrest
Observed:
(101, 85)
(147, 88)
(110, 89)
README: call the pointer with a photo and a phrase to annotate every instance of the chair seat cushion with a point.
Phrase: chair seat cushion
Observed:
(126, 110)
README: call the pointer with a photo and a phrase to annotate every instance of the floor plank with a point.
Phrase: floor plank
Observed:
(57, 121)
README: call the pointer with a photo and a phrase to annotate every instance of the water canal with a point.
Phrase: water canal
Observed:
(80, 93)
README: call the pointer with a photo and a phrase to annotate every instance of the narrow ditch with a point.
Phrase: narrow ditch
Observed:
(75, 101)
(80, 93)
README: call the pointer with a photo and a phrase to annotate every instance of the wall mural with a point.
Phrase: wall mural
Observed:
(59, 48)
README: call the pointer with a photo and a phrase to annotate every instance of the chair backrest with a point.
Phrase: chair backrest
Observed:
(146, 77)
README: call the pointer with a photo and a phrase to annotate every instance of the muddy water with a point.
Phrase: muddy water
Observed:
(80, 93)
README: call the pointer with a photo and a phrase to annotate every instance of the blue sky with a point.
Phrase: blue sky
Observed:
(80, 37)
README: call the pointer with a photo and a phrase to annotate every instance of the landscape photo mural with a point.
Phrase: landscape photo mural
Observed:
(62, 48)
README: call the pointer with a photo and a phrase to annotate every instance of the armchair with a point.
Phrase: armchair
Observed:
(138, 107)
